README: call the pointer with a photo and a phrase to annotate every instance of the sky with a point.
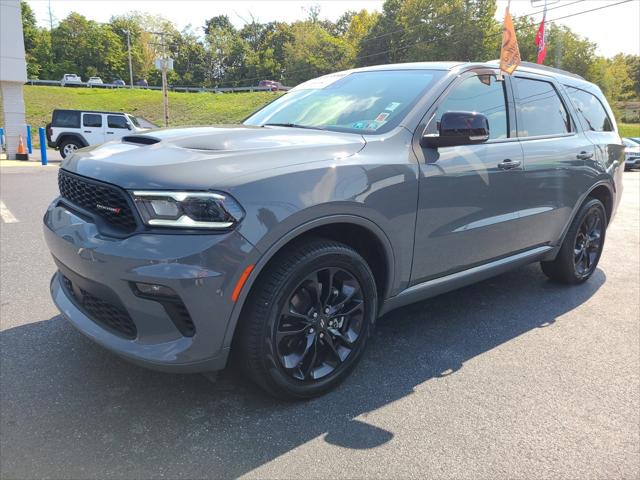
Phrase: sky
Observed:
(614, 29)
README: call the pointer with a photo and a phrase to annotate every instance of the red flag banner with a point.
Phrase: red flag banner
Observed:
(510, 52)
(541, 40)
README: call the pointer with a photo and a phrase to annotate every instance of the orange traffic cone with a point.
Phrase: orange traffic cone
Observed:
(22, 152)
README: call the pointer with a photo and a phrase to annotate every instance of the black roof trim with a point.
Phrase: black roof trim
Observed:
(89, 111)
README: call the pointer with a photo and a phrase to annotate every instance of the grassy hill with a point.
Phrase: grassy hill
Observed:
(184, 108)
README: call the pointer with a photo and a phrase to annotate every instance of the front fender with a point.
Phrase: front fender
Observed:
(261, 259)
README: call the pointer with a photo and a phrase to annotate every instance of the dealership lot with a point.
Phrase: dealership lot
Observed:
(512, 378)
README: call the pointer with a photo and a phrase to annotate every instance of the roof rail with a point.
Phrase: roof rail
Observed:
(537, 66)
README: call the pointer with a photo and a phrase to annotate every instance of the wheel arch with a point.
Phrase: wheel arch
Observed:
(603, 193)
(76, 136)
(349, 229)
(601, 190)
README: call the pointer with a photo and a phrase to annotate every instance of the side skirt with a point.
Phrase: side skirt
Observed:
(456, 280)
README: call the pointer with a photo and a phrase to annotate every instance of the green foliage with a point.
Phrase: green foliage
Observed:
(405, 30)
(312, 52)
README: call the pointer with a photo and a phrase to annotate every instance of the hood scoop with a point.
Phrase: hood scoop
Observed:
(140, 139)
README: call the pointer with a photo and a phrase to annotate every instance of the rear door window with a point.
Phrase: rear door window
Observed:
(482, 94)
(590, 110)
(117, 121)
(66, 119)
(92, 120)
(539, 109)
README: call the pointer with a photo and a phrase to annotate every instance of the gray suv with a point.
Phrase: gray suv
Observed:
(277, 243)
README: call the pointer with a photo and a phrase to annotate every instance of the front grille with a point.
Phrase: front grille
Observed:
(102, 312)
(107, 202)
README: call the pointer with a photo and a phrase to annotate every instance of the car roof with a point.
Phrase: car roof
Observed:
(561, 75)
(88, 111)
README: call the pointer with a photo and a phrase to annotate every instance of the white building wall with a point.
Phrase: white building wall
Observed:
(13, 74)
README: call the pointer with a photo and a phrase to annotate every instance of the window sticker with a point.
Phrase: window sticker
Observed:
(382, 117)
(374, 125)
(392, 106)
(359, 125)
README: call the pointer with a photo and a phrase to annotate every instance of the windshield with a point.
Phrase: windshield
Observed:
(134, 120)
(360, 102)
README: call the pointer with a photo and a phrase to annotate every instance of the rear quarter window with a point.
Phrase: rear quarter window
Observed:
(66, 119)
(539, 109)
(591, 110)
(92, 120)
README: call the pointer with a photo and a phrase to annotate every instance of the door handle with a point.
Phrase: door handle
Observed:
(86, 131)
(584, 155)
(109, 133)
(508, 164)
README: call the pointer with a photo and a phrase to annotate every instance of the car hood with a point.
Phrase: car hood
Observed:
(208, 157)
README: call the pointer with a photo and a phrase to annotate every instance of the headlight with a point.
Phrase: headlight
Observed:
(187, 209)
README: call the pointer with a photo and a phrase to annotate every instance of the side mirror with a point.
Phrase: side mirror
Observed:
(459, 128)
(129, 127)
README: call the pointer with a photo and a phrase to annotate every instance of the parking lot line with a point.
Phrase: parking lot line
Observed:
(6, 215)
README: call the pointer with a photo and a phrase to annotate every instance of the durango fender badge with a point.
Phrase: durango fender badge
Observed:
(115, 210)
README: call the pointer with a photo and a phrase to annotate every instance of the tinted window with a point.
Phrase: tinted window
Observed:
(591, 110)
(116, 121)
(66, 119)
(92, 120)
(360, 102)
(481, 94)
(539, 108)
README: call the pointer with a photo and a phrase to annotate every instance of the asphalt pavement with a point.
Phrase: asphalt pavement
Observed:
(514, 377)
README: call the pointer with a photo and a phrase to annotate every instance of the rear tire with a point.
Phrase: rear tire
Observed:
(582, 247)
(307, 319)
(68, 147)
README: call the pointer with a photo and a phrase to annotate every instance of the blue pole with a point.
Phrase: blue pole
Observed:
(1, 137)
(43, 146)
(29, 145)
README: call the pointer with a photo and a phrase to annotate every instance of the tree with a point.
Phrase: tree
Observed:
(226, 52)
(190, 58)
(313, 52)
(383, 44)
(405, 30)
(32, 40)
(359, 25)
(145, 44)
(448, 29)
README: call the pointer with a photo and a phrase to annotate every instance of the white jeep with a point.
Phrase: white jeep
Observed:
(70, 130)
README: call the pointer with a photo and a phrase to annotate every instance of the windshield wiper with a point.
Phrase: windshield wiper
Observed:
(291, 125)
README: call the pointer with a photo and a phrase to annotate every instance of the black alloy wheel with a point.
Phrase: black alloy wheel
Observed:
(588, 243)
(320, 325)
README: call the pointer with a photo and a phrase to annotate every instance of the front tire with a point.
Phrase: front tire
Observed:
(307, 319)
(582, 247)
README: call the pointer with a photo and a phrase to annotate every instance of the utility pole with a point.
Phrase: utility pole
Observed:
(163, 64)
(129, 50)
(50, 17)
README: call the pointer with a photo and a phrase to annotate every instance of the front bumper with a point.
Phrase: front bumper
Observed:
(632, 162)
(202, 269)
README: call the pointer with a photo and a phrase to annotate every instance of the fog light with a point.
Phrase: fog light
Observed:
(154, 290)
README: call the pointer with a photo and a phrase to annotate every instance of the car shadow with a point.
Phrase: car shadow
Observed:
(70, 409)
